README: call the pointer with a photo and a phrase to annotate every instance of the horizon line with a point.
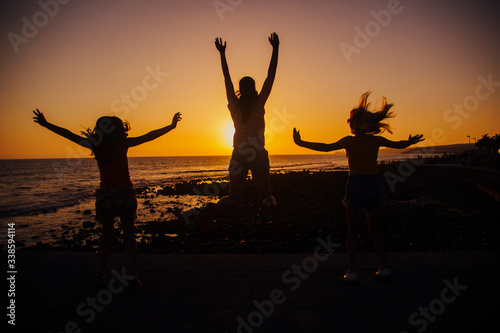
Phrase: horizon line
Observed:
(228, 155)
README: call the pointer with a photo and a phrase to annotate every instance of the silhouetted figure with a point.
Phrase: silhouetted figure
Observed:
(364, 190)
(116, 196)
(247, 111)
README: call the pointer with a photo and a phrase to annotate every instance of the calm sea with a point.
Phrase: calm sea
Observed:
(41, 195)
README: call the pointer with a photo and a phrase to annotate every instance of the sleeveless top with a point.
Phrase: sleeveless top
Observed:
(251, 132)
(114, 174)
(361, 153)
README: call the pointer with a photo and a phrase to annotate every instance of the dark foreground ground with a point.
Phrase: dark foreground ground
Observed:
(429, 292)
(442, 232)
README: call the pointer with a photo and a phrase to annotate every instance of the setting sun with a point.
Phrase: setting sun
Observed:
(228, 132)
(146, 62)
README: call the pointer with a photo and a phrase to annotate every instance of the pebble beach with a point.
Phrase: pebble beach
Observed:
(431, 209)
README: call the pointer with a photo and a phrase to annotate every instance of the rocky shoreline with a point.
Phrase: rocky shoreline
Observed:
(429, 209)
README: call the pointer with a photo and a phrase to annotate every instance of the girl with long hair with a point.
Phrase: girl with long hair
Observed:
(116, 197)
(364, 192)
(247, 112)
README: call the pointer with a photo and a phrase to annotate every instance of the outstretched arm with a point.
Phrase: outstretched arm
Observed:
(325, 147)
(401, 144)
(225, 69)
(131, 142)
(271, 72)
(40, 119)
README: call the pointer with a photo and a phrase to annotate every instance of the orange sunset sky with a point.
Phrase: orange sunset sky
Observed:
(436, 60)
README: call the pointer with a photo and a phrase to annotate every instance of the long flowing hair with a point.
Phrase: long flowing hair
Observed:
(107, 139)
(363, 121)
(247, 96)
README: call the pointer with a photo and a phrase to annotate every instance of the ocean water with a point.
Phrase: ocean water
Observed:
(42, 196)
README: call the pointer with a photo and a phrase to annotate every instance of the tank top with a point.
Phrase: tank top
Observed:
(114, 174)
(362, 154)
(251, 132)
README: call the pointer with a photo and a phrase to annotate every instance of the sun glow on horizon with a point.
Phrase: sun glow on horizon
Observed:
(146, 62)
(228, 134)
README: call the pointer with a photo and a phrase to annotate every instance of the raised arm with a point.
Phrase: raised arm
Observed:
(271, 72)
(400, 144)
(131, 142)
(325, 147)
(225, 69)
(40, 119)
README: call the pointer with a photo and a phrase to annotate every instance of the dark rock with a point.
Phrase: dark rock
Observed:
(88, 224)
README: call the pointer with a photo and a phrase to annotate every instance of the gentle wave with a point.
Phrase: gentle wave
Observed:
(16, 210)
(34, 186)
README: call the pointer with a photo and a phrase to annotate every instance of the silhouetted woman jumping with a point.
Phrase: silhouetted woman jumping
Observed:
(116, 196)
(364, 190)
(247, 111)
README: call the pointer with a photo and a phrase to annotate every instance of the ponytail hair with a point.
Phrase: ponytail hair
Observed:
(247, 97)
(363, 121)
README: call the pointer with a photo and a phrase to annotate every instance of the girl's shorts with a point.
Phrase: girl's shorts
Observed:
(364, 192)
(253, 159)
(113, 202)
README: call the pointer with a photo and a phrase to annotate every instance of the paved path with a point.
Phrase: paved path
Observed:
(431, 292)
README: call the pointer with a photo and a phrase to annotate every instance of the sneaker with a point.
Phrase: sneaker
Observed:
(351, 277)
(135, 283)
(383, 273)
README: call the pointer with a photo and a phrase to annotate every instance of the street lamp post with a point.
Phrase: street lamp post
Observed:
(469, 140)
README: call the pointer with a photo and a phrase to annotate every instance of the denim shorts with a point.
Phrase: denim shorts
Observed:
(253, 159)
(110, 203)
(364, 192)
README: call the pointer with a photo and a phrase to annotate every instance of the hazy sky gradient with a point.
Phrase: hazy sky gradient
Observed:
(425, 58)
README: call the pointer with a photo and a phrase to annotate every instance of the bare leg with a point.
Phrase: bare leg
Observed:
(108, 229)
(377, 238)
(236, 187)
(262, 181)
(130, 244)
(353, 219)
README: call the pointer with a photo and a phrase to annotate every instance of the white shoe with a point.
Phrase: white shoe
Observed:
(383, 273)
(351, 277)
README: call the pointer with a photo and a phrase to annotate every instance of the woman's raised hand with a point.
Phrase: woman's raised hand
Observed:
(219, 45)
(274, 40)
(40, 118)
(416, 138)
(296, 137)
(176, 119)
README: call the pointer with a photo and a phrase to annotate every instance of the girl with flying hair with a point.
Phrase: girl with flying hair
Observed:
(116, 197)
(364, 192)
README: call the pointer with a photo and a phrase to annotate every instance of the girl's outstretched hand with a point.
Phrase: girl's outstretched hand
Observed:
(274, 40)
(176, 119)
(296, 137)
(40, 118)
(416, 138)
(218, 44)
